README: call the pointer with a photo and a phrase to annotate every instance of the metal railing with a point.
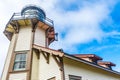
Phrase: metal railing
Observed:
(32, 15)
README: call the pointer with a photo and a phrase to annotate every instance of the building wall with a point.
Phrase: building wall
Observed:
(50, 70)
(18, 76)
(24, 38)
(8, 58)
(39, 37)
(87, 72)
(35, 66)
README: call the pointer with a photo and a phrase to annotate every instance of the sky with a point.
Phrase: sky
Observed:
(83, 26)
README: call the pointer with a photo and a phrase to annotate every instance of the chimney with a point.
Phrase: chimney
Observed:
(61, 50)
(106, 64)
(89, 57)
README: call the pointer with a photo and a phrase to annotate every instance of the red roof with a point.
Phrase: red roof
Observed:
(93, 56)
(106, 63)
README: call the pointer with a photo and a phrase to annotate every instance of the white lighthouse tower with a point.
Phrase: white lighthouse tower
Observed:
(30, 33)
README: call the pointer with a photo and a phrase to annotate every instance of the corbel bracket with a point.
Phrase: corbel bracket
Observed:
(59, 61)
(34, 24)
(37, 52)
(46, 56)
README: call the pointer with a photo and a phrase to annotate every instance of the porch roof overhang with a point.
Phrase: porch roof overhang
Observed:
(48, 50)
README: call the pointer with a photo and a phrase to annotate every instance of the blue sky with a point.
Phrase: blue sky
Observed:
(84, 26)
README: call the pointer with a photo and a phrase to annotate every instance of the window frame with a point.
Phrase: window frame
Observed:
(74, 77)
(21, 62)
(53, 78)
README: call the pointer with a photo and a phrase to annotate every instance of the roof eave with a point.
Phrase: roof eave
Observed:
(91, 64)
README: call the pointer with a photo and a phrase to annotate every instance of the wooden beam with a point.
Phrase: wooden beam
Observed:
(37, 53)
(59, 61)
(46, 56)
(48, 50)
(17, 27)
(34, 24)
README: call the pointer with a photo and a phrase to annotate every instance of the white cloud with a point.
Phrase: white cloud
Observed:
(104, 47)
(83, 25)
(112, 33)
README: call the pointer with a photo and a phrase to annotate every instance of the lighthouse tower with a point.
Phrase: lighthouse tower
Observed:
(30, 33)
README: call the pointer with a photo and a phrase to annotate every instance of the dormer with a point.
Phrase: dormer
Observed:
(89, 57)
(106, 64)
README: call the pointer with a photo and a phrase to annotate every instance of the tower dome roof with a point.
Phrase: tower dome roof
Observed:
(32, 9)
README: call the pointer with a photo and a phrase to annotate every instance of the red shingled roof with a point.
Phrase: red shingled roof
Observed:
(106, 63)
(88, 56)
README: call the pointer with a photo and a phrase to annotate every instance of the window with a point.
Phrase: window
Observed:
(20, 62)
(53, 78)
(72, 77)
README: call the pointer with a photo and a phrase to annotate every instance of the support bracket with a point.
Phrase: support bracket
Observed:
(59, 61)
(46, 56)
(37, 52)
